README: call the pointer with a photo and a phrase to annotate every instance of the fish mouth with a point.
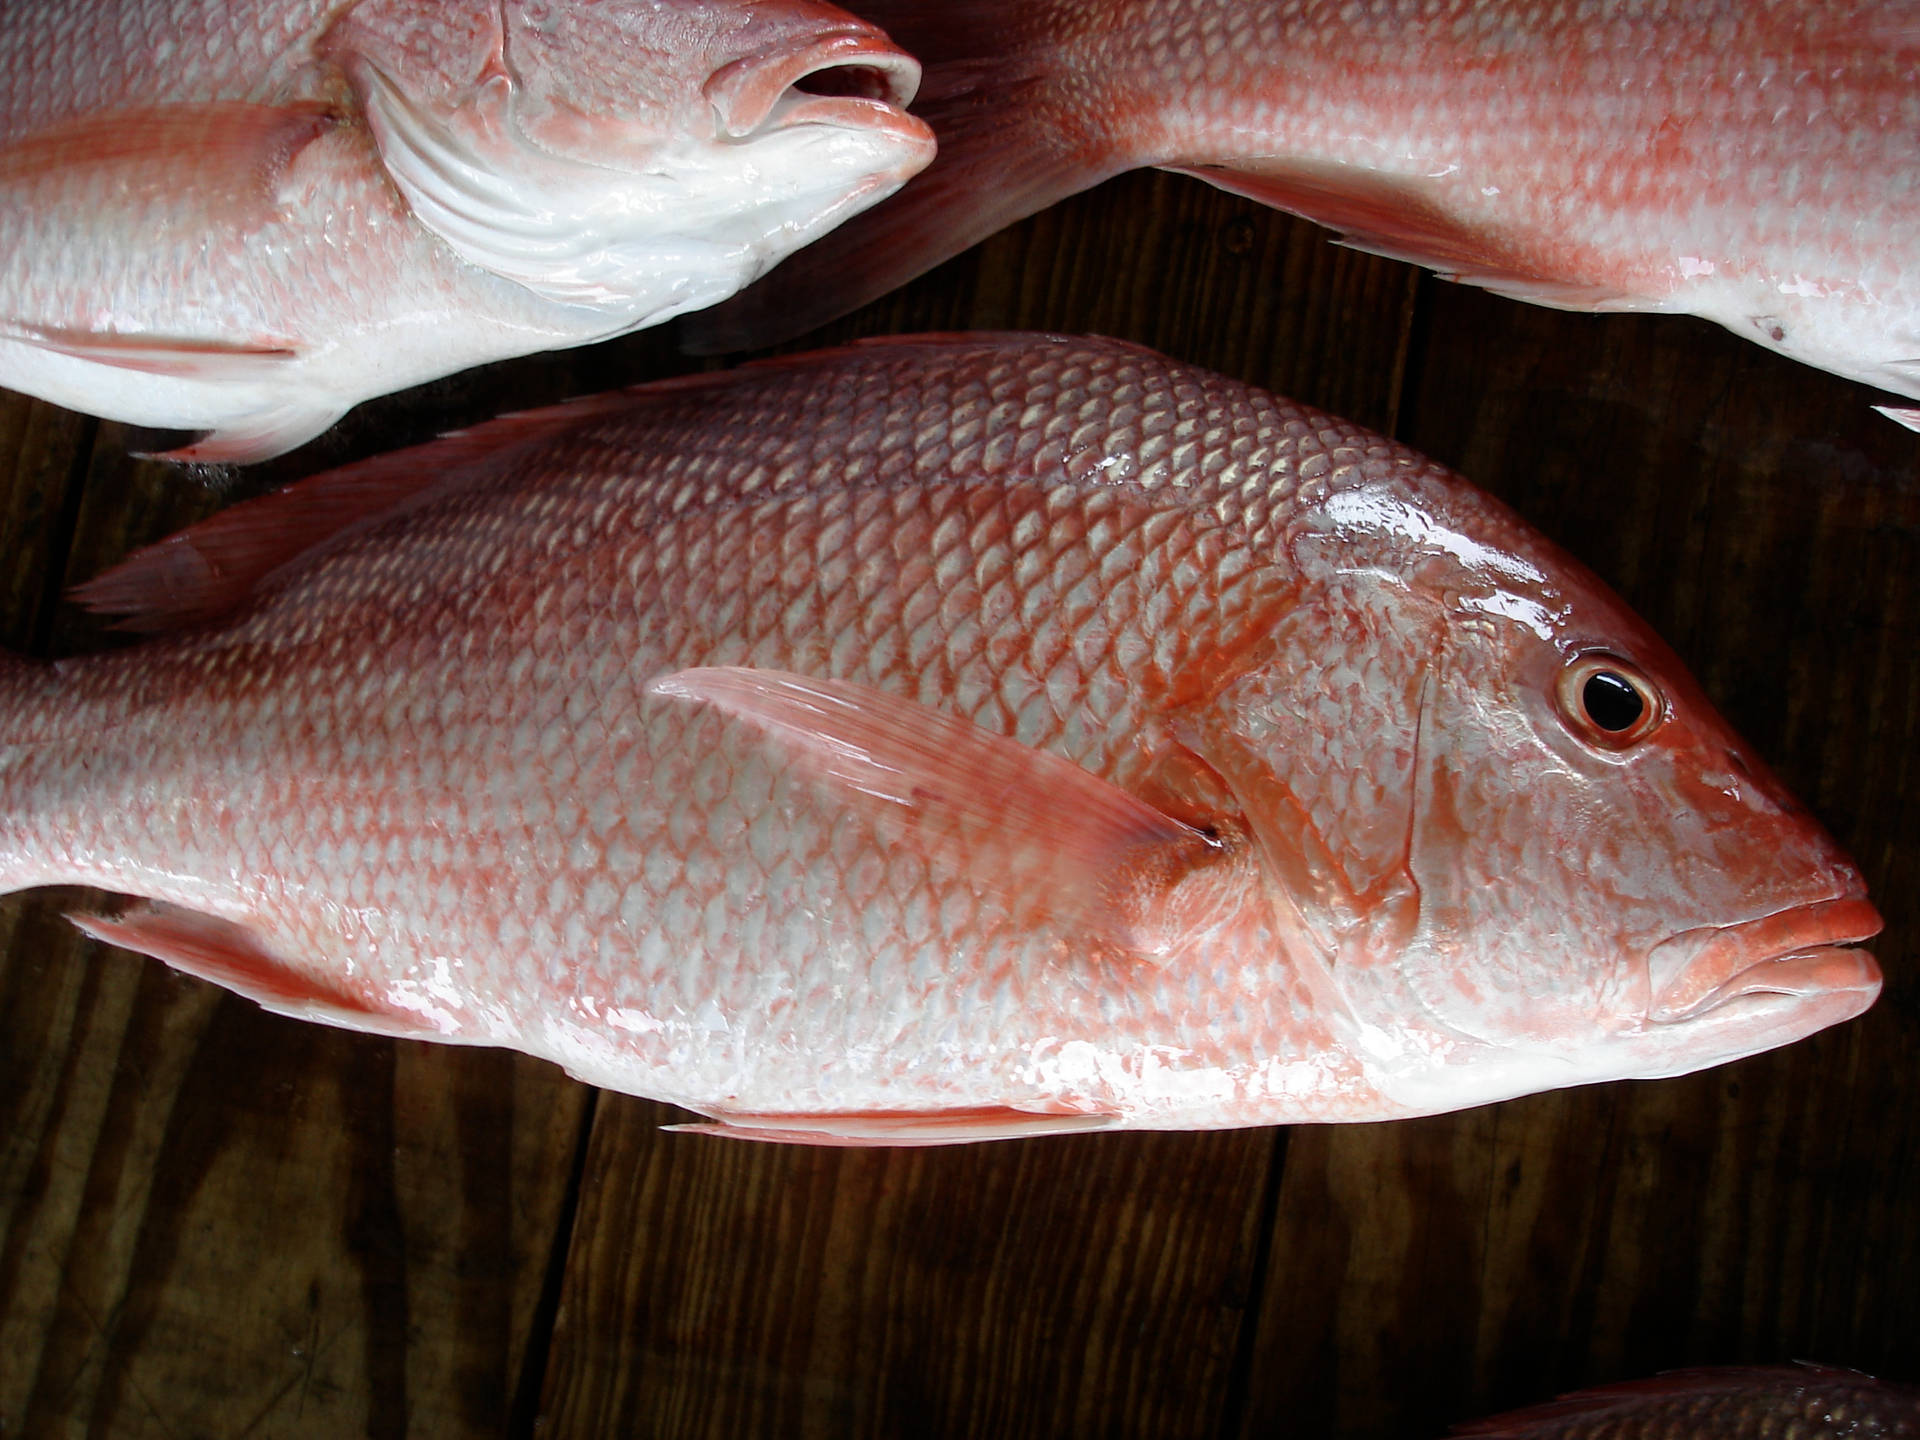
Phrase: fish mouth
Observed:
(1802, 953)
(856, 78)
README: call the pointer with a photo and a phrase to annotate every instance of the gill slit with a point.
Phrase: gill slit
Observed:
(506, 60)
(1423, 791)
(1413, 801)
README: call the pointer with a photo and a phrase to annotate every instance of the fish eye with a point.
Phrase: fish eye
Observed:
(1609, 702)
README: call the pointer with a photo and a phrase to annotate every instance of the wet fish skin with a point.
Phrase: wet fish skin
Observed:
(939, 739)
(1807, 1402)
(1752, 163)
(248, 218)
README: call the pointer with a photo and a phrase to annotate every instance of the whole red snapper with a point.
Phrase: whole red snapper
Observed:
(1755, 162)
(938, 739)
(1787, 1402)
(249, 217)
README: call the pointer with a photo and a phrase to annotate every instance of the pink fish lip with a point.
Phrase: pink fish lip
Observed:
(1800, 952)
(854, 77)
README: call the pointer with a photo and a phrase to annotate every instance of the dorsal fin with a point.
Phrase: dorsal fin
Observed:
(209, 569)
(1554, 1417)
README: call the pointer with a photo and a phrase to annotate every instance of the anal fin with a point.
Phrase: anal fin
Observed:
(875, 1128)
(232, 957)
(1397, 218)
(210, 569)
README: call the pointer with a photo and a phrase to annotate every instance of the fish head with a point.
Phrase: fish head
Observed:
(631, 158)
(1505, 827)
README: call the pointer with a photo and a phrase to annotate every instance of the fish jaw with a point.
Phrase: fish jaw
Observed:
(1723, 993)
(850, 75)
(643, 201)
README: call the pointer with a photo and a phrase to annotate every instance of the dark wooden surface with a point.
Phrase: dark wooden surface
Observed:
(218, 1223)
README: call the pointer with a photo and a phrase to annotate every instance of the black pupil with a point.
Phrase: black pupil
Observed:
(1612, 702)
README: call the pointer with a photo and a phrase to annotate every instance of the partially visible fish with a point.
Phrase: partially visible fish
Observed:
(1756, 162)
(940, 739)
(1788, 1402)
(250, 217)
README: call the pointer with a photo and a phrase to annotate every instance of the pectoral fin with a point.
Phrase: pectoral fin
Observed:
(214, 167)
(173, 356)
(1040, 831)
(233, 957)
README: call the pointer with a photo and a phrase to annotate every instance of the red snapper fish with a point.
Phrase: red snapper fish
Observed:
(944, 738)
(1805, 1402)
(1756, 162)
(250, 217)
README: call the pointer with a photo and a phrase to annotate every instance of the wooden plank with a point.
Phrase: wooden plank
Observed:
(1089, 1286)
(42, 449)
(219, 1223)
(1768, 524)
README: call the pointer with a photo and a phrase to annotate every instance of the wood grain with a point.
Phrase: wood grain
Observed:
(723, 1288)
(217, 1222)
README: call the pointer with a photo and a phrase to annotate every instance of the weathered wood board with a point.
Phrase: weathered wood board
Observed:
(215, 1222)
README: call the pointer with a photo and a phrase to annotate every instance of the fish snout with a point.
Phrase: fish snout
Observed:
(854, 77)
(1805, 951)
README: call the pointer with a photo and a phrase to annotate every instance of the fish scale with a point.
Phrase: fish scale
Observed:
(62, 61)
(433, 777)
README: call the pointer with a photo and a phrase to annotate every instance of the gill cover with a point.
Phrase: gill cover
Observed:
(577, 150)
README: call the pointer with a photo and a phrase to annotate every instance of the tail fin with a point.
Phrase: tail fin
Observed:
(1016, 133)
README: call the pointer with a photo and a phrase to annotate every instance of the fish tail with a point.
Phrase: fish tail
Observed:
(1015, 135)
